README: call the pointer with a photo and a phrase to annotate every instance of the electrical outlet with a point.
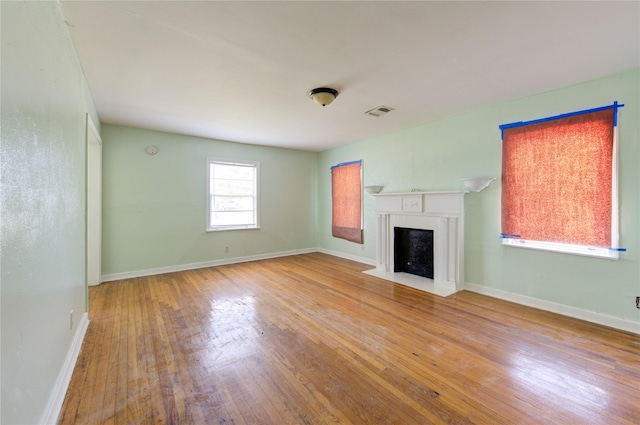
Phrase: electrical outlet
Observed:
(637, 302)
(71, 320)
(226, 249)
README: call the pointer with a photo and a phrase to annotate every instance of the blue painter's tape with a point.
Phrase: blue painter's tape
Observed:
(615, 106)
(618, 249)
(508, 235)
(359, 161)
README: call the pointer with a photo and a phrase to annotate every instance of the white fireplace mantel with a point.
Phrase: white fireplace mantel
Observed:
(442, 212)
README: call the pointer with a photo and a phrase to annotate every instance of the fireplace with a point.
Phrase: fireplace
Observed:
(441, 214)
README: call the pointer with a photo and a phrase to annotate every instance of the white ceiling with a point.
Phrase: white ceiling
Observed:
(241, 71)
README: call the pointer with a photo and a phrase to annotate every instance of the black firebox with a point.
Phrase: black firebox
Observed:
(413, 251)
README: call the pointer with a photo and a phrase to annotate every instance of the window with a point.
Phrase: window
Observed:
(346, 201)
(559, 183)
(232, 201)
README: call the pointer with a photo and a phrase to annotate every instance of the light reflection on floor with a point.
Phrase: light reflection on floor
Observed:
(232, 330)
(536, 377)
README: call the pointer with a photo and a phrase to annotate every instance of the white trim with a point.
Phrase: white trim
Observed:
(56, 400)
(615, 201)
(93, 129)
(565, 310)
(202, 265)
(346, 256)
(584, 250)
(93, 205)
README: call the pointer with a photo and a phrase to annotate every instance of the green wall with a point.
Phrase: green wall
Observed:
(437, 155)
(154, 207)
(42, 205)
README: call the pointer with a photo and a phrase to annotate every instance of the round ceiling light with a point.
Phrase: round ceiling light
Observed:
(323, 95)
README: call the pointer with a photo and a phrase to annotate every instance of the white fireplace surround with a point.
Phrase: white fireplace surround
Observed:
(442, 212)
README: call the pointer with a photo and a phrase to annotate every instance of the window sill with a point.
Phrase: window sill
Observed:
(225, 228)
(587, 251)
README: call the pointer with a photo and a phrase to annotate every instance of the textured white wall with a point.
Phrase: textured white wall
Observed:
(42, 193)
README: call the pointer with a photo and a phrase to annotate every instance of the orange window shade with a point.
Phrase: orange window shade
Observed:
(557, 180)
(346, 201)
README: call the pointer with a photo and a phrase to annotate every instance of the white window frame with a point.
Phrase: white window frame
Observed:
(256, 195)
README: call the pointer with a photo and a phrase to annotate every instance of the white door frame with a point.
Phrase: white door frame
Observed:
(94, 204)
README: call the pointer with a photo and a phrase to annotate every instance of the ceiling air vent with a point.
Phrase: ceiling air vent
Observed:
(379, 111)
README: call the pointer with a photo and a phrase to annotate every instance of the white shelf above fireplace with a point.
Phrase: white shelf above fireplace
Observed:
(442, 212)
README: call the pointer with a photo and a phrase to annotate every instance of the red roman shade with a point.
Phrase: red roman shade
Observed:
(346, 201)
(557, 179)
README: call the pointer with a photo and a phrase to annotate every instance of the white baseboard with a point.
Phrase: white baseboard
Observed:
(202, 265)
(347, 256)
(54, 406)
(565, 310)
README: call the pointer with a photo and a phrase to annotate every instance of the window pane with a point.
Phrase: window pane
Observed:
(233, 172)
(232, 203)
(233, 187)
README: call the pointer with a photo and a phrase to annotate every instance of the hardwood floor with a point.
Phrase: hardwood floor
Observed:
(310, 339)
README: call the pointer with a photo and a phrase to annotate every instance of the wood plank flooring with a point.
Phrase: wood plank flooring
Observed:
(309, 339)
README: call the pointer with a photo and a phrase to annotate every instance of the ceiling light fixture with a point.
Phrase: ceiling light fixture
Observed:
(323, 95)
